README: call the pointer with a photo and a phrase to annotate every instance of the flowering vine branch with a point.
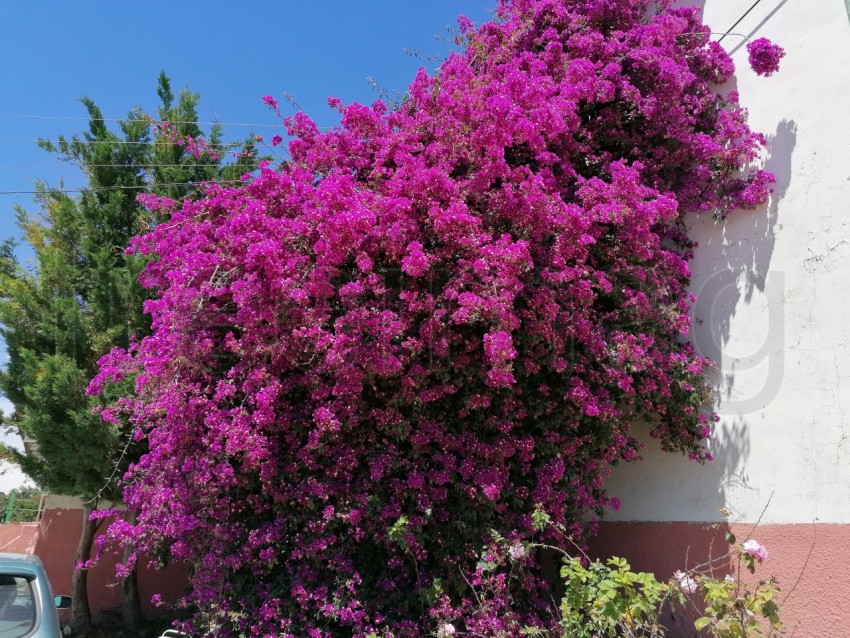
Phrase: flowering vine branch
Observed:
(438, 321)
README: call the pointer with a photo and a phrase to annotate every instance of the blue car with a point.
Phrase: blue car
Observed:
(27, 605)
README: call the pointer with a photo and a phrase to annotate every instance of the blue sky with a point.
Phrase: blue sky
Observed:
(53, 53)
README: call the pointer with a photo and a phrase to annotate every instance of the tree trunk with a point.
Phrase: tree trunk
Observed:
(80, 611)
(131, 605)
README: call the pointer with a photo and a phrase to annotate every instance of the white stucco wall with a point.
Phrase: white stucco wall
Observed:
(773, 291)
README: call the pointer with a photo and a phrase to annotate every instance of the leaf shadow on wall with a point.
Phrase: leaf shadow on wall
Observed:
(738, 292)
(755, 30)
(731, 273)
(732, 276)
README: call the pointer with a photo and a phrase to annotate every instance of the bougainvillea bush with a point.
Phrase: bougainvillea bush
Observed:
(433, 327)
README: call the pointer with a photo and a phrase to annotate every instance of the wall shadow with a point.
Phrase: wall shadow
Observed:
(732, 264)
(664, 549)
(732, 278)
(757, 28)
(670, 487)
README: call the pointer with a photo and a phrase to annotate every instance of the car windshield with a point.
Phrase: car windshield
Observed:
(17, 607)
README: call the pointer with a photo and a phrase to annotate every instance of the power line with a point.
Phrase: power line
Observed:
(746, 13)
(143, 187)
(137, 165)
(148, 120)
(163, 143)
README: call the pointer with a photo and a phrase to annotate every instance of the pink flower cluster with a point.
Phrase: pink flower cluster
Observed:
(196, 146)
(764, 56)
(431, 322)
(753, 548)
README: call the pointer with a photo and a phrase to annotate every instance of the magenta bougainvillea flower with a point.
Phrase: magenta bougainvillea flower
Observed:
(432, 329)
(764, 56)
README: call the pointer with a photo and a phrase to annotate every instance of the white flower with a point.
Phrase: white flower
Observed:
(446, 630)
(686, 583)
(517, 551)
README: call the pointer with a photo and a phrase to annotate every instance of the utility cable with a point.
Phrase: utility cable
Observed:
(97, 189)
(15, 116)
(162, 143)
(145, 167)
(746, 13)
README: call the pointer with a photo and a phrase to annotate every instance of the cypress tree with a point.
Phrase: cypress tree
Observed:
(80, 297)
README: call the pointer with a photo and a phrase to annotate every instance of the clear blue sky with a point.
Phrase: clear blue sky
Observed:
(53, 53)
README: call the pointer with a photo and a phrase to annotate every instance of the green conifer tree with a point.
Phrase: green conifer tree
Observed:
(80, 297)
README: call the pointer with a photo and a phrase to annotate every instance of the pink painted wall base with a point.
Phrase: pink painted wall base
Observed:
(800, 556)
(54, 540)
(18, 538)
(812, 605)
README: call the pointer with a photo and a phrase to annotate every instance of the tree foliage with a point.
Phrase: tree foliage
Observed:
(20, 505)
(435, 326)
(80, 296)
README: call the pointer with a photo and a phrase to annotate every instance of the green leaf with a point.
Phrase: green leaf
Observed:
(702, 623)
(540, 519)
(730, 538)
(397, 530)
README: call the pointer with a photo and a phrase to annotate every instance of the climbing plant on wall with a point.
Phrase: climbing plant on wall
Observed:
(432, 328)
